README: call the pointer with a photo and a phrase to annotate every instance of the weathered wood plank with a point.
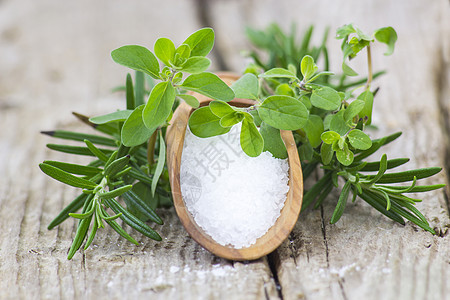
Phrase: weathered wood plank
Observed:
(364, 255)
(56, 56)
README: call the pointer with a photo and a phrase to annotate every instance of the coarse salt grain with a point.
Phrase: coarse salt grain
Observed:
(233, 197)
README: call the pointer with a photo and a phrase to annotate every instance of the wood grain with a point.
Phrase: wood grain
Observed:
(288, 216)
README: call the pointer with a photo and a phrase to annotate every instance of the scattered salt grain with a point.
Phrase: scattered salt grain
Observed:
(233, 197)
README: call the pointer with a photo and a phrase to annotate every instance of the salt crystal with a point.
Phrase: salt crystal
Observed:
(233, 197)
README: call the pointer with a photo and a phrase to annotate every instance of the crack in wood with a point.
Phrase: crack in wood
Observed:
(273, 262)
(203, 13)
(324, 233)
(341, 286)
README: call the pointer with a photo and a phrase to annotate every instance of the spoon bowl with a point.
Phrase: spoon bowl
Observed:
(282, 227)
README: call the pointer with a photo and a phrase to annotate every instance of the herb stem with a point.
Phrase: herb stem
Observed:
(369, 65)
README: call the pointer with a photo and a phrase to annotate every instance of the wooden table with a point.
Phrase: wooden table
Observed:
(55, 59)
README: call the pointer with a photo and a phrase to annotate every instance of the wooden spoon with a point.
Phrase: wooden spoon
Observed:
(289, 214)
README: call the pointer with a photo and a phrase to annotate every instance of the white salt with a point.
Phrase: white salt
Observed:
(233, 197)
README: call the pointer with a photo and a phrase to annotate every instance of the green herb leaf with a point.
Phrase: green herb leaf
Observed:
(326, 153)
(196, 64)
(210, 85)
(344, 155)
(165, 50)
(116, 166)
(329, 137)
(97, 152)
(183, 51)
(115, 193)
(340, 207)
(201, 42)
(66, 177)
(231, 119)
(406, 175)
(325, 98)
(392, 163)
(75, 149)
(134, 131)
(388, 36)
(273, 141)
(220, 108)
(117, 116)
(190, 100)
(159, 105)
(353, 109)
(131, 102)
(359, 139)
(73, 206)
(77, 136)
(308, 67)
(283, 112)
(160, 165)
(314, 129)
(251, 140)
(338, 124)
(135, 201)
(278, 73)
(367, 97)
(137, 58)
(246, 87)
(203, 123)
(73, 168)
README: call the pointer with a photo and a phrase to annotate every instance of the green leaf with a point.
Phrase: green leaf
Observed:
(340, 207)
(345, 155)
(132, 221)
(406, 175)
(273, 141)
(325, 98)
(251, 140)
(231, 119)
(117, 116)
(203, 123)
(137, 58)
(388, 36)
(161, 161)
(134, 131)
(344, 31)
(115, 193)
(392, 163)
(220, 108)
(314, 129)
(326, 153)
(196, 64)
(73, 168)
(131, 102)
(210, 85)
(323, 73)
(338, 124)
(329, 137)
(82, 229)
(75, 149)
(77, 136)
(137, 201)
(246, 87)
(348, 70)
(283, 112)
(190, 100)
(278, 73)
(66, 177)
(359, 139)
(379, 203)
(201, 42)
(283, 89)
(159, 105)
(353, 109)
(116, 166)
(97, 152)
(367, 97)
(165, 50)
(308, 67)
(183, 51)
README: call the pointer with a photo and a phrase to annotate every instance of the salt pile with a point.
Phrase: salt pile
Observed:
(233, 197)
